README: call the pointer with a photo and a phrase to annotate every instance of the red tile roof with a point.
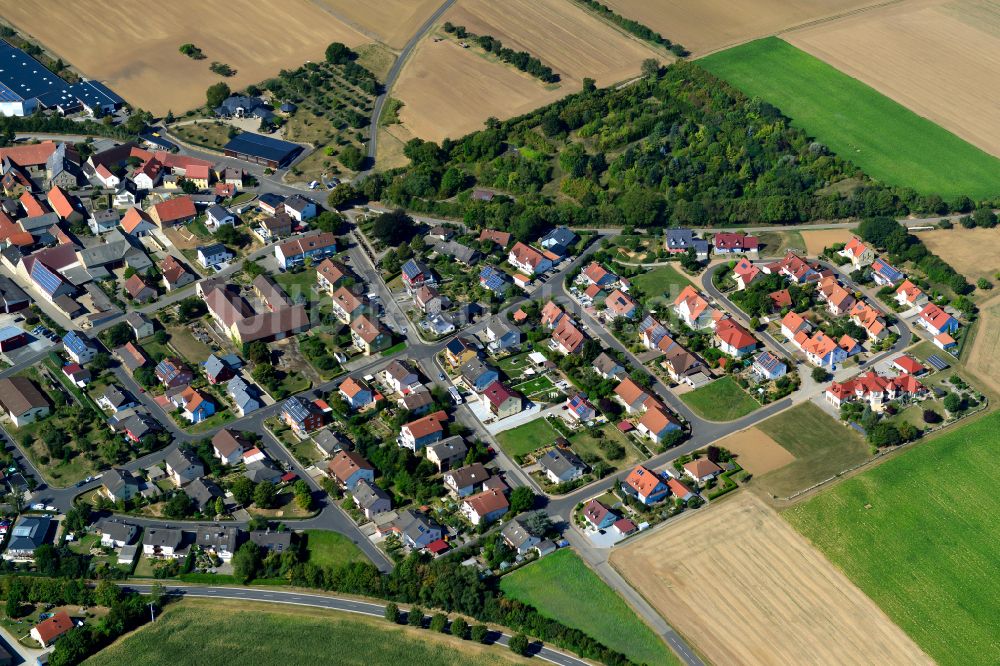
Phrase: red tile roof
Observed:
(643, 480)
(60, 202)
(133, 218)
(175, 209)
(54, 627)
(32, 207)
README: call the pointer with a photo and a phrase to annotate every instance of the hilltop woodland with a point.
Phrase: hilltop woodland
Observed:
(678, 147)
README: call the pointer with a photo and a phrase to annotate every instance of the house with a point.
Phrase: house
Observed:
(371, 499)
(768, 366)
(416, 274)
(567, 338)
(77, 374)
(460, 350)
(400, 377)
(684, 367)
(217, 540)
(596, 274)
(528, 260)
(106, 177)
(701, 470)
(598, 515)
(314, 247)
(173, 373)
(48, 631)
(875, 389)
(464, 480)
(348, 468)
(12, 297)
(463, 254)
(644, 485)
(216, 216)
(735, 243)
(159, 542)
(838, 300)
(148, 175)
(141, 326)
(246, 397)
(199, 174)
(27, 535)
(908, 365)
(869, 319)
(607, 367)
(936, 320)
(858, 253)
(183, 466)
(426, 430)
(945, 342)
(128, 194)
(272, 228)
(115, 399)
(369, 336)
(559, 240)
(485, 507)
(794, 268)
(693, 309)
(273, 542)
(103, 221)
(733, 339)
(678, 241)
(580, 408)
(501, 238)
(300, 208)
(910, 294)
(744, 273)
(429, 300)
(78, 347)
(203, 493)
(620, 304)
(347, 306)
(271, 203)
(116, 533)
(493, 280)
(820, 349)
(175, 275)
(219, 369)
(356, 393)
(447, 453)
(135, 424)
(657, 424)
(229, 446)
(330, 274)
(561, 465)
(138, 290)
(119, 485)
(301, 415)
(259, 471)
(502, 401)
(417, 402)
(780, 299)
(631, 395)
(792, 323)
(22, 401)
(415, 529)
(173, 212)
(884, 273)
(195, 406)
(213, 255)
(477, 375)
(518, 537)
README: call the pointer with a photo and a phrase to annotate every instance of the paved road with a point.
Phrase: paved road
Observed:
(342, 604)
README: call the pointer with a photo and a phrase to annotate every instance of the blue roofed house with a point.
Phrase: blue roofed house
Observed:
(50, 282)
(598, 515)
(769, 366)
(580, 408)
(884, 273)
(244, 395)
(78, 347)
(492, 279)
(559, 240)
(678, 241)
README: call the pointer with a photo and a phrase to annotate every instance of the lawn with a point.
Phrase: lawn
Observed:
(187, 346)
(526, 438)
(331, 548)
(297, 283)
(777, 243)
(235, 632)
(585, 443)
(532, 386)
(822, 447)
(514, 365)
(883, 138)
(664, 280)
(722, 400)
(919, 535)
(562, 587)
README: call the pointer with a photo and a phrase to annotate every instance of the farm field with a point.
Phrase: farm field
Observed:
(756, 452)
(528, 437)
(709, 25)
(816, 241)
(982, 358)
(331, 548)
(933, 57)
(722, 400)
(974, 253)
(781, 601)
(320, 637)
(390, 21)
(562, 587)
(885, 139)
(139, 59)
(821, 445)
(918, 534)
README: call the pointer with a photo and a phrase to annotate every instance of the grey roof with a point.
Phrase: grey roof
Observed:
(367, 494)
(559, 461)
(116, 479)
(682, 239)
(163, 537)
(118, 530)
(231, 104)
(10, 292)
(213, 248)
(203, 491)
(117, 396)
(276, 541)
(243, 393)
(180, 459)
(29, 533)
(605, 364)
(516, 533)
(264, 147)
(106, 216)
(218, 212)
(468, 475)
(399, 370)
(474, 368)
(136, 319)
(562, 236)
(214, 365)
(117, 247)
(417, 400)
(462, 253)
(262, 470)
(298, 203)
(44, 221)
(414, 525)
(451, 447)
(499, 328)
(217, 538)
(328, 441)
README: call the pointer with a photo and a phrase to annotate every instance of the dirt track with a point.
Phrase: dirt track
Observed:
(746, 588)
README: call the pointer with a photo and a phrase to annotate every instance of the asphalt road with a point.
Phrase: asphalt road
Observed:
(338, 604)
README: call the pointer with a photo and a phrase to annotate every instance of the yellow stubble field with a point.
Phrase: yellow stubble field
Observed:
(390, 21)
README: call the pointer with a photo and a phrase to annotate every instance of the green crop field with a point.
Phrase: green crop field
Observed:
(919, 535)
(722, 400)
(562, 587)
(197, 632)
(528, 437)
(331, 548)
(880, 136)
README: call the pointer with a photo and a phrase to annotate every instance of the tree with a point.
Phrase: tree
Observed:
(984, 284)
(415, 618)
(220, 506)
(243, 490)
(518, 644)
(954, 404)
(819, 375)
(303, 495)
(191, 308)
(247, 561)
(157, 592)
(459, 628)
(100, 362)
(216, 94)
(984, 217)
(930, 416)
(650, 68)
(341, 194)
(352, 157)
(338, 54)
(884, 434)
(77, 518)
(118, 335)
(479, 633)
(258, 352)
(265, 374)
(265, 494)
(521, 499)
(393, 228)
(439, 623)
(392, 613)
(589, 85)
(107, 593)
(179, 506)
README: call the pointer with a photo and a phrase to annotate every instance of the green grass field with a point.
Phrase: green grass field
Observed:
(821, 445)
(722, 400)
(331, 548)
(562, 587)
(197, 632)
(663, 280)
(528, 437)
(883, 138)
(926, 549)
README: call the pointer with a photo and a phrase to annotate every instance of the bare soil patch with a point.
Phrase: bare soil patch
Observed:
(710, 25)
(389, 21)
(756, 452)
(934, 57)
(974, 253)
(135, 50)
(746, 588)
(820, 239)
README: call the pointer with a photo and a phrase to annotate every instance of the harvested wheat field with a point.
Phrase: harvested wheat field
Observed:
(710, 25)
(573, 42)
(756, 452)
(390, 21)
(448, 91)
(746, 588)
(974, 253)
(983, 359)
(935, 57)
(820, 239)
(137, 53)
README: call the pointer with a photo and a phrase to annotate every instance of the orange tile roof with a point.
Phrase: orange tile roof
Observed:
(133, 218)
(35, 154)
(54, 627)
(643, 480)
(693, 301)
(346, 463)
(426, 425)
(525, 254)
(60, 202)
(629, 391)
(32, 207)
(734, 335)
(175, 209)
(655, 420)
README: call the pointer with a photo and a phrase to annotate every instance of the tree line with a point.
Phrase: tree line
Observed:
(523, 60)
(894, 238)
(640, 30)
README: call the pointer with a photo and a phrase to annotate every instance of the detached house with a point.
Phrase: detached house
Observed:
(447, 453)
(371, 499)
(429, 300)
(400, 377)
(645, 485)
(229, 446)
(194, 405)
(598, 515)
(183, 466)
(735, 243)
(561, 465)
(631, 395)
(657, 423)
(314, 247)
(485, 507)
(838, 300)
(701, 470)
(416, 274)
(607, 367)
(518, 537)
(909, 294)
(884, 273)
(173, 373)
(620, 304)
(348, 468)
(356, 393)
(858, 252)
(733, 339)
(768, 366)
(119, 485)
(502, 401)
(875, 389)
(693, 309)
(679, 241)
(79, 348)
(580, 408)
(299, 208)
(820, 349)
(174, 273)
(464, 480)
(173, 212)
(369, 336)
(302, 416)
(528, 260)
(936, 320)
(744, 273)
(477, 375)
(426, 430)
(567, 338)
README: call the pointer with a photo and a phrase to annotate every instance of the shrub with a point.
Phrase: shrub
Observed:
(415, 618)
(479, 632)
(459, 628)
(518, 644)
(392, 613)
(930, 416)
(439, 622)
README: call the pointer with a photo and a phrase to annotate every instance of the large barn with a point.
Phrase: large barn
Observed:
(260, 149)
